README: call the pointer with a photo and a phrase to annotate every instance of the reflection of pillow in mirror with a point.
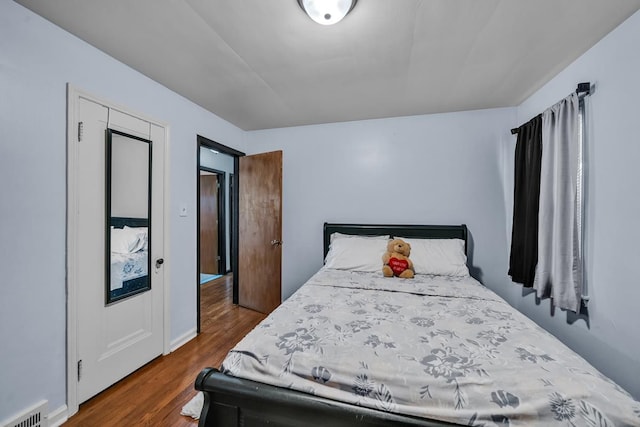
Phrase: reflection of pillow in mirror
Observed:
(126, 241)
(144, 234)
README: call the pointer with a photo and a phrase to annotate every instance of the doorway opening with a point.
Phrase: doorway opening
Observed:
(213, 226)
(220, 164)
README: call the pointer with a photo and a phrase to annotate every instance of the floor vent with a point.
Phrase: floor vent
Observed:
(36, 416)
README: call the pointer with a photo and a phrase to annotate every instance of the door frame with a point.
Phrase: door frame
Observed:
(222, 218)
(74, 94)
(202, 141)
(232, 218)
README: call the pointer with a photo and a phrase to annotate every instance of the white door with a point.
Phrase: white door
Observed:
(113, 339)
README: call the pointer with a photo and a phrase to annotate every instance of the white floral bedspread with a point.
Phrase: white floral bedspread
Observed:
(433, 347)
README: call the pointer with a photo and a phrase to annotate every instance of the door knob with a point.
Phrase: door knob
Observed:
(276, 242)
(159, 262)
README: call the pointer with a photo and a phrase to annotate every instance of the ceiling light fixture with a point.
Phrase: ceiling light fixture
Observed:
(327, 12)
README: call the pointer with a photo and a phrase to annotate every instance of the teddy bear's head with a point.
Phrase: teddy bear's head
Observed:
(399, 246)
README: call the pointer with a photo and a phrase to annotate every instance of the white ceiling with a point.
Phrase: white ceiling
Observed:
(264, 64)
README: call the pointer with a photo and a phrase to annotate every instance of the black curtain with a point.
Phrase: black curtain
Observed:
(526, 201)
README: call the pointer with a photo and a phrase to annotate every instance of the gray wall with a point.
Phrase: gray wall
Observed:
(611, 341)
(37, 59)
(436, 169)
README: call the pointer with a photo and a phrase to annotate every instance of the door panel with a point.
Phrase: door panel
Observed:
(113, 340)
(209, 224)
(260, 224)
(129, 124)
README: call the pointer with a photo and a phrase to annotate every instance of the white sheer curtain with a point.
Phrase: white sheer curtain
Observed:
(559, 268)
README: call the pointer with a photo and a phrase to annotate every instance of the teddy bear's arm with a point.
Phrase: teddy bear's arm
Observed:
(385, 258)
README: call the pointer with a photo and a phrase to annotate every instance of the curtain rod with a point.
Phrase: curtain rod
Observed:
(583, 88)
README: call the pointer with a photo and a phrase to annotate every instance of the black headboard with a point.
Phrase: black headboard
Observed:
(120, 222)
(416, 231)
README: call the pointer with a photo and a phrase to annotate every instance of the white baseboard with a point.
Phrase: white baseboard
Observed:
(183, 339)
(58, 417)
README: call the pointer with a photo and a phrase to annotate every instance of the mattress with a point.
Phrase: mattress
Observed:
(436, 347)
(126, 267)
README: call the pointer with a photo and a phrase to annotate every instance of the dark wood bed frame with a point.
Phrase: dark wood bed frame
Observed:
(230, 401)
(121, 221)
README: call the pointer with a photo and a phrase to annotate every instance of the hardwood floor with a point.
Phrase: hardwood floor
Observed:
(155, 394)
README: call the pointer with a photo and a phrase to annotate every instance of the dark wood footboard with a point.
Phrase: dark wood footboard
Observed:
(231, 402)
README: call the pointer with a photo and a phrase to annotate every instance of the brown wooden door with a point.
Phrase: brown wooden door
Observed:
(209, 224)
(260, 224)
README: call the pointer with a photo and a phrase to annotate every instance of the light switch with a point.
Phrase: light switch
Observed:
(183, 210)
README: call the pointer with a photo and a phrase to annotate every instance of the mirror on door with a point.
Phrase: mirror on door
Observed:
(128, 215)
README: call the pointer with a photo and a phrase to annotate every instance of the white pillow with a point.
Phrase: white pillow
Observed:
(357, 253)
(144, 234)
(356, 236)
(126, 241)
(444, 257)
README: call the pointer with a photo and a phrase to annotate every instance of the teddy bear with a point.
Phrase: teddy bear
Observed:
(396, 260)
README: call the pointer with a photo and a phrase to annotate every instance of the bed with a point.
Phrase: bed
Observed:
(129, 257)
(353, 348)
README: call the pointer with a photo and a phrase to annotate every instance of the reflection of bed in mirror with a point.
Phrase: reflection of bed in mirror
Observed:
(129, 257)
